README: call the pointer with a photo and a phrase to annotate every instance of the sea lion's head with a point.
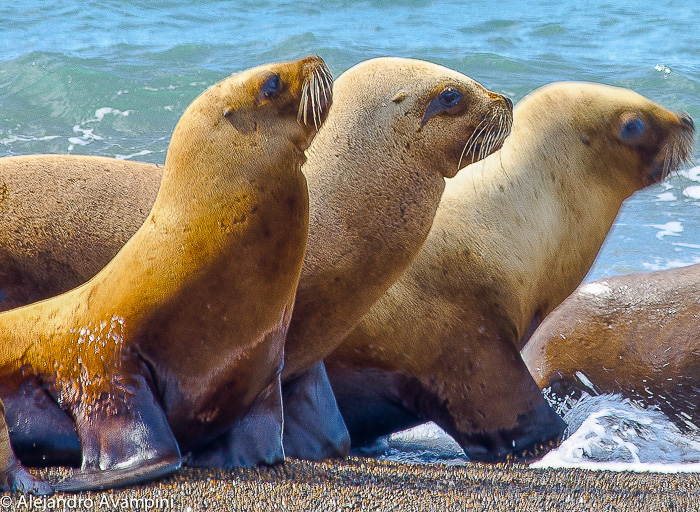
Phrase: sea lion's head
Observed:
(421, 113)
(254, 115)
(616, 127)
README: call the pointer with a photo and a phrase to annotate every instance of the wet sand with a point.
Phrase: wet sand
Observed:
(367, 484)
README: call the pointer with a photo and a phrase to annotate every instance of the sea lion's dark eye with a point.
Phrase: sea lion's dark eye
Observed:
(449, 98)
(632, 129)
(271, 86)
(444, 102)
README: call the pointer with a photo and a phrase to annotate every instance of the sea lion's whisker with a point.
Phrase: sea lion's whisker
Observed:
(318, 87)
(468, 149)
(483, 130)
(315, 100)
(491, 138)
(303, 103)
(326, 84)
(312, 95)
(467, 145)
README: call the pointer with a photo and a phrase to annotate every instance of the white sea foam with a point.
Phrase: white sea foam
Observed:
(86, 138)
(88, 134)
(692, 192)
(424, 444)
(672, 228)
(600, 289)
(132, 155)
(605, 432)
(608, 432)
(100, 113)
(666, 196)
(693, 174)
(19, 138)
(659, 264)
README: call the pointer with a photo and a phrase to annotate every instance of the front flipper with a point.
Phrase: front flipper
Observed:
(313, 426)
(13, 477)
(124, 442)
(253, 439)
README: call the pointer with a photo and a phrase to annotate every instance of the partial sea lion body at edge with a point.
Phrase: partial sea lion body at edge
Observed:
(637, 335)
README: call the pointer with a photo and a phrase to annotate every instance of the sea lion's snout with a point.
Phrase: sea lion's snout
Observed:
(508, 102)
(676, 148)
(686, 120)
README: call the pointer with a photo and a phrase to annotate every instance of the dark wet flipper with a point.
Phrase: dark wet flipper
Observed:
(125, 439)
(13, 477)
(18, 479)
(252, 440)
(97, 479)
(313, 426)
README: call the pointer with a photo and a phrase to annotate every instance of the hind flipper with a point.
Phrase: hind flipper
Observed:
(313, 426)
(254, 439)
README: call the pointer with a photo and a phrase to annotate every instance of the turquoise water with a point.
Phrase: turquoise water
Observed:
(112, 77)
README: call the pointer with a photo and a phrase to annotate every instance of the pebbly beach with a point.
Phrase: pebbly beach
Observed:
(359, 484)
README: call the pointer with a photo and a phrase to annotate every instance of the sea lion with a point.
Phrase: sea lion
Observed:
(181, 335)
(376, 171)
(63, 217)
(13, 477)
(514, 234)
(637, 335)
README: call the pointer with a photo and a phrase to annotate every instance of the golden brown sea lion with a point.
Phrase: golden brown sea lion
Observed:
(513, 236)
(376, 171)
(13, 477)
(637, 335)
(181, 335)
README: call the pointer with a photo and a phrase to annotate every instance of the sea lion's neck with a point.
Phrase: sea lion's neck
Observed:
(551, 214)
(360, 214)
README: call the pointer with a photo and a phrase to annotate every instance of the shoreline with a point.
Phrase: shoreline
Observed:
(367, 484)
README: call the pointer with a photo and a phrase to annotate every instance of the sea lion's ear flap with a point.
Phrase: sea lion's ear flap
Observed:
(239, 120)
(399, 97)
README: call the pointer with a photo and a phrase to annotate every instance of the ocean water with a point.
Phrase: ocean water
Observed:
(112, 78)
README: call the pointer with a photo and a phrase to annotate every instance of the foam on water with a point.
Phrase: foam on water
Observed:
(424, 444)
(610, 432)
(605, 432)
(692, 192)
(673, 228)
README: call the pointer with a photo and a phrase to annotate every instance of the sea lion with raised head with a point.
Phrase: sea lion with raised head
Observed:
(637, 335)
(376, 171)
(181, 335)
(513, 236)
